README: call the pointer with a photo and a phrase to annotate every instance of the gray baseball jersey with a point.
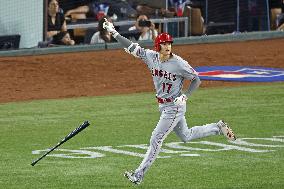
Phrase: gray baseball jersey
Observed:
(168, 78)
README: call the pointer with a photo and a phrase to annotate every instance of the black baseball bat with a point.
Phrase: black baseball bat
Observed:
(70, 135)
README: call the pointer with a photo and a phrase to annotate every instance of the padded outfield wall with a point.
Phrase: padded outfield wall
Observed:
(178, 41)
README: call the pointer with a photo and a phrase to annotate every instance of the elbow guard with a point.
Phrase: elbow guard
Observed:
(133, 49)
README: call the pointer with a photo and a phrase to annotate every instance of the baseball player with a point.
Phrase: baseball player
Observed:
(168, 72)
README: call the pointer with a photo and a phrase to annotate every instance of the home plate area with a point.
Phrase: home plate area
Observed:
(240, 73)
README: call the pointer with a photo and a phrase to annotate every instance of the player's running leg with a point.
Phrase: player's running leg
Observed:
(169, 118)
(187, 134)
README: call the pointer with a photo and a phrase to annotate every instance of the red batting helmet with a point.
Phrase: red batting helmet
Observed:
(162, 38)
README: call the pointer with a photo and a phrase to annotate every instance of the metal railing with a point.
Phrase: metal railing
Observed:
(163, 21)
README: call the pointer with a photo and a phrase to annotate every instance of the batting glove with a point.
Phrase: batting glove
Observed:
(181, 100)
(110, 28)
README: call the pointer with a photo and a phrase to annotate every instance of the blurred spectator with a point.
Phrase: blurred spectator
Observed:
(102, 35)
(92, 9)
(280, 19)
(63, 38)
(281, 22)
(178, 6)
(275, 7)
(56, 30)
(55, 19)
(71, 4)
(122, 9)
(252, 13)
(151, 8)
(96, 9)
(146, 27)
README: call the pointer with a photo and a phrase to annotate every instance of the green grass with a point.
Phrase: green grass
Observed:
(252, 111)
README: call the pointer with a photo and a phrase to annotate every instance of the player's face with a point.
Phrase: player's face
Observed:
(166, 48)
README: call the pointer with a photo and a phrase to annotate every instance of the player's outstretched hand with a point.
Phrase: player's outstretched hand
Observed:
(181, 100)
(109, 27)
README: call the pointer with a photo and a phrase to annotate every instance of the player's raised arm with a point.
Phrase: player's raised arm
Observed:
(128, 45)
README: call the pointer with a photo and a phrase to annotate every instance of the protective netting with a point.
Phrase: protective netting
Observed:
(23, 19)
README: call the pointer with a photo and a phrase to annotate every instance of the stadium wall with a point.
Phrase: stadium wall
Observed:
(178, 41)
(23, 17)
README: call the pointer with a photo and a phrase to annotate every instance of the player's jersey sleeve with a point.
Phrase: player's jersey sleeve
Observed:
(187, 71)
(148, 56)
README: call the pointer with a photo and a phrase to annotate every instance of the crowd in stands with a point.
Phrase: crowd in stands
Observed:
(62, 12)
(57, 33)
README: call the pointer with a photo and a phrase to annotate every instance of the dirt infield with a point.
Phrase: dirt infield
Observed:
(115, 72)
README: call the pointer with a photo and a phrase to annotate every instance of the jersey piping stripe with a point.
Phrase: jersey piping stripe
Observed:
(165, 134)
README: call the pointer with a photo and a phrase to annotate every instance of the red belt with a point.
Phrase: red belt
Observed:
(164, 100)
